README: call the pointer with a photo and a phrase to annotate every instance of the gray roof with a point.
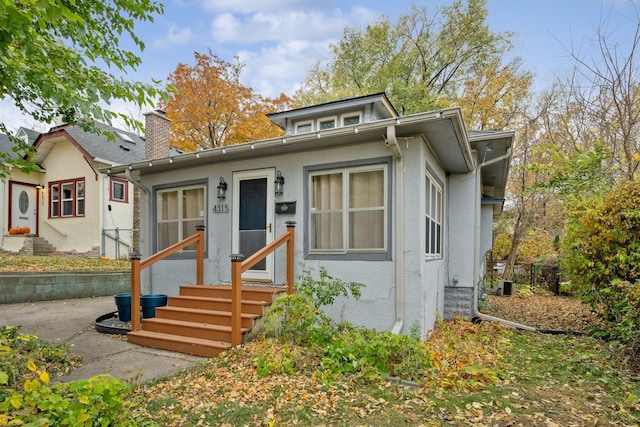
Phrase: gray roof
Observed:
(127, 147)
(32, 135)
(5, 144)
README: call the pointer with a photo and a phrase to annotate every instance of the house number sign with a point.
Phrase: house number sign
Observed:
(223, 208)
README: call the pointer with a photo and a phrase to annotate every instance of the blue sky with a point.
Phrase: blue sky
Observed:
(278, 40)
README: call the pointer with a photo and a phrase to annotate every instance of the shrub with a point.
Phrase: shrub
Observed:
(601, 257)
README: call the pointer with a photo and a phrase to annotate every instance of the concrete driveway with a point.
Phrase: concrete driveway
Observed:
(72, 322)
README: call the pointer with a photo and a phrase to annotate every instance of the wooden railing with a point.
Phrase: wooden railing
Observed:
(239, 265)
(137, 266)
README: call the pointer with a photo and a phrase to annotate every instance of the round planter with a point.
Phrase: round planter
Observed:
(123, 302)
(150, 302)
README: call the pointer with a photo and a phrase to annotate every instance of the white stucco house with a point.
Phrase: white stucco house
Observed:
(403, 204)
(70, 206)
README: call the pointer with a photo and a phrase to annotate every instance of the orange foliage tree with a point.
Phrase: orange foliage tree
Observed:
(210, 108)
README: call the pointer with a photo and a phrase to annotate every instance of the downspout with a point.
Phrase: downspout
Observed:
(476, 266)
(392, 142)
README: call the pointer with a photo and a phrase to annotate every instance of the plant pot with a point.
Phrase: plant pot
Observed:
(123, 302)
(150, 302)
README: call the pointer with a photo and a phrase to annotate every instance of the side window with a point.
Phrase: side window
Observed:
(119, 190)
(433, 205)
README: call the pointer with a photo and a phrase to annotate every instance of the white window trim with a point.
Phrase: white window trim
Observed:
(304, 123)
(333, 119)
(346, 210)
(348, 115)
(125, 190)
(432, 182)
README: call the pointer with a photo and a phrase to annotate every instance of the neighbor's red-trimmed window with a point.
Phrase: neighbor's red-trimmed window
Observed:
(66, 198)
(119, 190)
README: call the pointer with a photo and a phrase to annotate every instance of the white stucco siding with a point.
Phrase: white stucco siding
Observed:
(461, 225)
(117, 219)
(378, 300)
(80, 234)
(486, 235)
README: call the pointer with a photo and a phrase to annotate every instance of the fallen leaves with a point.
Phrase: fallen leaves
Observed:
(543, 312)
(20, 263)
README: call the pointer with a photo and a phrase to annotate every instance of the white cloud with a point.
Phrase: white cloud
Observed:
(280, 68)
(174, 36)
(269, 26)
(278, 49)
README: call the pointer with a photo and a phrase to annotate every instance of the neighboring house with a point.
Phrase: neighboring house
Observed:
(70, 206)
(403, 204)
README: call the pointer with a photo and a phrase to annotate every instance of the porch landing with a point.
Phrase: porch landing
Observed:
(198, 320)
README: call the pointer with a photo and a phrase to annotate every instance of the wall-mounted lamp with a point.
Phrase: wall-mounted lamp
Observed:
(40, 187)
(222, 189)
(279, 182)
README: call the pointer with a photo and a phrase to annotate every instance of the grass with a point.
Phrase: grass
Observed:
(482, 374)
(20, 263)
(543, 380)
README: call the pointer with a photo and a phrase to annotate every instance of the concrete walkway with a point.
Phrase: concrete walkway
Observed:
(72, 322)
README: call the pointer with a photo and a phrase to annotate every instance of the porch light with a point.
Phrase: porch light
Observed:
(279, 182)
(222, 189)
(40, 186)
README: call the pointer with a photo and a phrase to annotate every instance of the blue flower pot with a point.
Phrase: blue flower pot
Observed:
(150, 302)
(123, 302)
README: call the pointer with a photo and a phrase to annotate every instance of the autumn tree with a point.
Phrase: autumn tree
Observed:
(57, 58)
(211, 108)
(427, 60)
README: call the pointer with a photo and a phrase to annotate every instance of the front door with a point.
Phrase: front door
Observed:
(24, 206)
(253, 209)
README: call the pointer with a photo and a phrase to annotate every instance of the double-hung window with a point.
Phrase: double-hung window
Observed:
(348, 210)
(179, 211)
(433, 200)
(66, 198)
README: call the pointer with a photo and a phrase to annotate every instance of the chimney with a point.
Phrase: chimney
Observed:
(156, 134)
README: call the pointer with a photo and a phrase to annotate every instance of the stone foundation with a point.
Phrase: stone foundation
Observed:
(458, 302)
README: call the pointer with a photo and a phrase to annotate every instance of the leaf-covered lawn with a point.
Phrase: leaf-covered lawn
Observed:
(543, 312)
(24, 263)
(483, 375)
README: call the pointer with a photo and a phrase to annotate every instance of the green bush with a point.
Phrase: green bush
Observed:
(27, 399)
(601, 257)
(341, 349)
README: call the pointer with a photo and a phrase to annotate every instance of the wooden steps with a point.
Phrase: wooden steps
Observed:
(198, 321)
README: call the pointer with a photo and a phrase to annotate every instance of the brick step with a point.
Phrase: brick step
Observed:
(190, 329)
(188, 345)
(220, 304)
(255, 293)
(216, 317)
